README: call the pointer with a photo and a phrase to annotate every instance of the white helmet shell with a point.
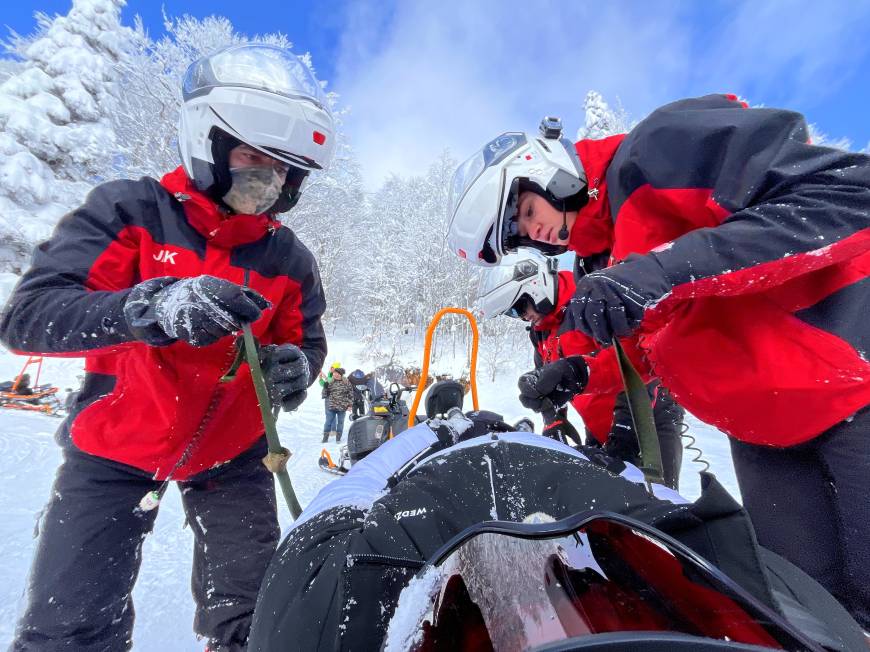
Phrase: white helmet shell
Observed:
(519, 274)
(263, 96)
(483, 192)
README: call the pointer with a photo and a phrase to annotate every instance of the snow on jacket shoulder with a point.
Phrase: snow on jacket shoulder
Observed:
(141, 405)
(765, 240)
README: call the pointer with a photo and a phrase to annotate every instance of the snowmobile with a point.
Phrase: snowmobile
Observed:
(19, 394)
(386, 417)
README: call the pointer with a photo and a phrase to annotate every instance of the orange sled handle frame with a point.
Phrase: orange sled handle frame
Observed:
(427, 352)
(31, 359)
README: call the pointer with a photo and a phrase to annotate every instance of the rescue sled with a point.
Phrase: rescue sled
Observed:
(19, 394)
(455, 537)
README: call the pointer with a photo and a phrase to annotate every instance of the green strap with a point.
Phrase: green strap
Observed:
(641, 416)
(269, 420)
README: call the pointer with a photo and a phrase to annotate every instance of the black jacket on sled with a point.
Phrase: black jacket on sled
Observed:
(335, 580)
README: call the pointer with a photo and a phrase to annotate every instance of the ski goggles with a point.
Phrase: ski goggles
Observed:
(516, 586)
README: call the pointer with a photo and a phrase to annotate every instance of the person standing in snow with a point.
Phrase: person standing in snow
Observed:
(337, 395)
(740, 254)
(150, 281)
(357, 380)
(532, 289)
(366, 389)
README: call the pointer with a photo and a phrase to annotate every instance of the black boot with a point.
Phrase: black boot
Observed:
(325, 437)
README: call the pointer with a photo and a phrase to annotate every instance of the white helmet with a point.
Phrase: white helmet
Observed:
(485, 189)
(260, 95)
(520, 277)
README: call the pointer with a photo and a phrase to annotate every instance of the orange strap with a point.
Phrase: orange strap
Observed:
(427, 351)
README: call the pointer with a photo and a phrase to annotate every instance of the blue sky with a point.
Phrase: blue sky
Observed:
(423, 75)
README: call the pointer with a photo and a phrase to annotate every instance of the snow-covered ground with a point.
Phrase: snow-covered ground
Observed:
(29, 456)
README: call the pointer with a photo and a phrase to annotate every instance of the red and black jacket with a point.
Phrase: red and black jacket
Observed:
(765, 242)
(142, 405)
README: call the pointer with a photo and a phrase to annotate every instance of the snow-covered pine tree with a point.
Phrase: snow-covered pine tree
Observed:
(601, 120)
(56, 137)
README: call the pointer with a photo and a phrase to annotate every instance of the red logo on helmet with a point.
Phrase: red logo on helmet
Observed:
(318, 137)
(461, 253)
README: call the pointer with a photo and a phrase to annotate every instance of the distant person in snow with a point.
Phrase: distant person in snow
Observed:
(357, 379)
(740, 254)
(530, 288)
(151, 281)
(366, 388)
(337, 395)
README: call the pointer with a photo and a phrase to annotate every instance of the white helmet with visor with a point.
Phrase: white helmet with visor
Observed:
(520, 281)
(262, 96)
(482, 209)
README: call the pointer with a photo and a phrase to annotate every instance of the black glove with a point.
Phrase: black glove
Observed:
(611, 302)
(555, 383)
(622, 443)
(562, 430)
(484, 423)
(285, 369)
(203, 309)
(139, 312)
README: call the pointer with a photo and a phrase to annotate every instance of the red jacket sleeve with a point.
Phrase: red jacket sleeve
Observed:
(756, 203)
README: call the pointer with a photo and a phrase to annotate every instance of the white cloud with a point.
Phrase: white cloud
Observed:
(422, 76)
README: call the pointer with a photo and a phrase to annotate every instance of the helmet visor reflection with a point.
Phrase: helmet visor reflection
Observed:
(524, 586)
(491, 154)
(267, 67)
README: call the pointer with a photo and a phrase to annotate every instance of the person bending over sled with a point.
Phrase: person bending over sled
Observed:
(150, 281)
(458, 535)
(529, 287)
(740, 254)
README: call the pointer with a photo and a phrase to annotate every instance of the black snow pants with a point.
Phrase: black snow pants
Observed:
(79, 594)
(668, 417)
(811, 504)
